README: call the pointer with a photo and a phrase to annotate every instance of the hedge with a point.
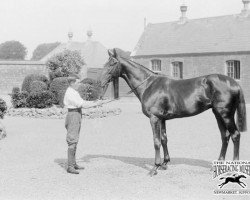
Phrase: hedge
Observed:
(38, 86)
(88, 92)
(44, 99)
(29, 79)
(58, 87)
(18, 99)
(3, 108)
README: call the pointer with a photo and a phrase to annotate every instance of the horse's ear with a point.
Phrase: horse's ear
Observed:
(111, 53)
(115, 53)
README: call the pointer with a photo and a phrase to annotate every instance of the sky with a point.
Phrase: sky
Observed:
(114, 23)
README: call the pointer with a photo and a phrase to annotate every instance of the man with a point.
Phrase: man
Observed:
(74, 103)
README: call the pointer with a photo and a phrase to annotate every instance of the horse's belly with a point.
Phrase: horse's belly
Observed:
(196, 107)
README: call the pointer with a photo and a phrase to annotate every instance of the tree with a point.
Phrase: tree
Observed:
(12, 50)
(43, 50)
(65, 63)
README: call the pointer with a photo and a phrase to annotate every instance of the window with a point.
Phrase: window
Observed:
(233, 69)
(177, 70)
(156, 65)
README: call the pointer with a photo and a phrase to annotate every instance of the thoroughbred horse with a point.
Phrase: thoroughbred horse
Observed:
(163, 99)
(235, 179)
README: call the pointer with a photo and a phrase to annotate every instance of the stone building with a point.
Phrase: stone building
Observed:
(93, 52)
(188, 48)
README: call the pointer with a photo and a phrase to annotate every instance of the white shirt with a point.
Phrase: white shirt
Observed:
(72, 99)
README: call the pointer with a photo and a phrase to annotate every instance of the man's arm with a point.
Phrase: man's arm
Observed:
(89, 104)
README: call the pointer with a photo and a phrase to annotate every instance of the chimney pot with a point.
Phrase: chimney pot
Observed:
(183, 18)
(70, 35)
(245, 11)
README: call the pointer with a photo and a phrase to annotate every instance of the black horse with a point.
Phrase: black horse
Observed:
(163, 98)
(234, 179)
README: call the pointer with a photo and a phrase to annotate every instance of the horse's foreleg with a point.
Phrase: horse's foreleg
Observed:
(240, 184)
(156, 126)
(164, 141)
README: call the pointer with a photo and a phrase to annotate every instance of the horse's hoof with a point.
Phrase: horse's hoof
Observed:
(152, 173)
(164, 166)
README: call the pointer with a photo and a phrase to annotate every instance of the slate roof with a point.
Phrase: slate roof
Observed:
(229, 33)
(94, 53)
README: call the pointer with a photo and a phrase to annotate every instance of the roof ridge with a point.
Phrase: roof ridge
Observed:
(202, 18)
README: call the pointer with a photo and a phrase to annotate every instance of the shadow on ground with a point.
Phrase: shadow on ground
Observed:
(62, 162)
(139, 162)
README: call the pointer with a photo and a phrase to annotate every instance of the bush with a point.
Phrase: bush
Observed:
(15, 90)
(88, 92)
(3, 108)
(58, 87)
(38, 86)
(29, 79)
(44, 99)
(18, 99)
(57, 74)
(89, 81)
(67, 62)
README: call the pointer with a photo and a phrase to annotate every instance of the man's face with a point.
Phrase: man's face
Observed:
(75, 84)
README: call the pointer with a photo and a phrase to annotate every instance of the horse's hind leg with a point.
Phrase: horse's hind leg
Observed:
(224, 135)
(156, 126)
(227, 117)
(235, 135)
(164, 141)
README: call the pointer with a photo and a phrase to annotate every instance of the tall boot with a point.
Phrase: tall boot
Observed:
(71, 161)
(76, 166)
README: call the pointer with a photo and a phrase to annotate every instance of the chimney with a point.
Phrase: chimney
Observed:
(145, 23)
(89, 34)
(183, 18)
(245, 11)
(70, 35)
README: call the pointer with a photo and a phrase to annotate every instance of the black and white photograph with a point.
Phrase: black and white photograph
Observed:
(124, 99)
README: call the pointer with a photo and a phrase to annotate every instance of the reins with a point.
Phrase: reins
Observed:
(133, 89)
(100, 104)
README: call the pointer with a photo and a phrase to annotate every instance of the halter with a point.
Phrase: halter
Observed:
(133, 89)
(116, 71)
(116, 68)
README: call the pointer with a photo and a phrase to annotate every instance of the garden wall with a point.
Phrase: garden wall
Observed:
(12, 73)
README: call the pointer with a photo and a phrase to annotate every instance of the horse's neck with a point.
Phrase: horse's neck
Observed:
(134, 74)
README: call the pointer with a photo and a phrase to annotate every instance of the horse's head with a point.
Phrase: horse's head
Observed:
(111, 69)
(242, 176)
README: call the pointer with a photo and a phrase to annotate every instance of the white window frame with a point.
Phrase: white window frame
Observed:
(152, 67)
(178, 74)
(232, 67)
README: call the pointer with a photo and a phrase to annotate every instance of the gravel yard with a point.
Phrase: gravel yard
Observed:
(117, 153)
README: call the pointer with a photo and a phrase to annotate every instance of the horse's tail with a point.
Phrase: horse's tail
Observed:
(222, 178)
(241, 112)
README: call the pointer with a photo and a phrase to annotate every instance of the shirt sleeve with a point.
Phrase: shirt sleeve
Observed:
(74, 99)
(87, 104)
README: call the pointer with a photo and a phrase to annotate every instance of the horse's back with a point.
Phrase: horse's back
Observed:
(170, 98)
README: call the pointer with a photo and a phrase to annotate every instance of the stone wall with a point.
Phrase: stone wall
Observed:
(12, 73)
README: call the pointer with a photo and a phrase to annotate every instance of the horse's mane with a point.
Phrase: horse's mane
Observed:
(138, 64)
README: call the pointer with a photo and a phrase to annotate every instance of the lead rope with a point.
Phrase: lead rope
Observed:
(133, 89)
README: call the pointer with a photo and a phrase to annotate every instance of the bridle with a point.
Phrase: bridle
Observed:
(117, 73)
